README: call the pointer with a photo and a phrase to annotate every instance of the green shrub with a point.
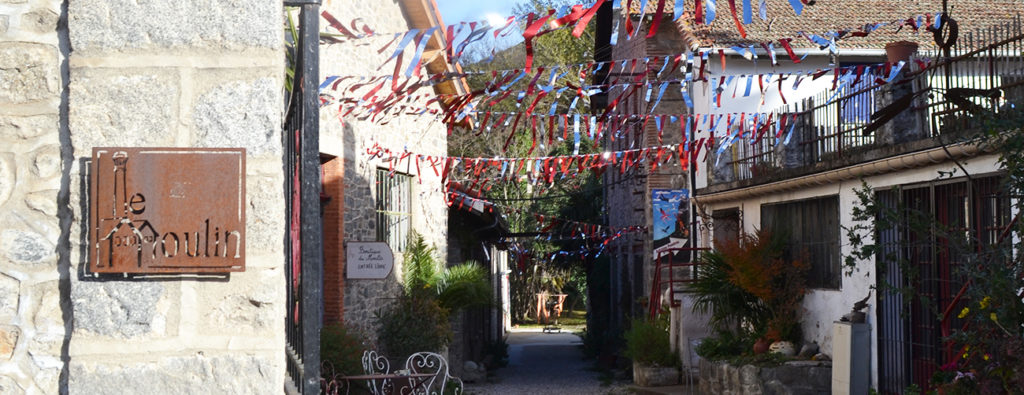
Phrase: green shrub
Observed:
(411, 325)
(724, 345)
(752, 287)
(342, 347)
(341, 353)
(463, 286)
(730, 307)
(647, 342)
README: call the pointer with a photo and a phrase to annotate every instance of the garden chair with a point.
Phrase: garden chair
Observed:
(374, 363)
(440, 383)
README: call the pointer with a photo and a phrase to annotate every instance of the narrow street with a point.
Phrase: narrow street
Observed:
(544, 363)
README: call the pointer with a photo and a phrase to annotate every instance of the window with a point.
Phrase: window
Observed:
(725, 225)
(394, 211)
(813, 229)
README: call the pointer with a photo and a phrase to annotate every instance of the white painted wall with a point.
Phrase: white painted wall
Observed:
(822, 307)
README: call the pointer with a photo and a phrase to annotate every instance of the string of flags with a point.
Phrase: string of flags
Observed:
(548, 168)
(460, 35)
(496, 92)
(551, 228)
(382, 96)
(581, 14)
(524, 256)
(824, 41)
(548, 226)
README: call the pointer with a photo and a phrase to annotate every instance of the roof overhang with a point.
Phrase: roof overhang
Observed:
(423, 14)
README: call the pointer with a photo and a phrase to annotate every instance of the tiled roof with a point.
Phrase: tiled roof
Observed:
(829, 15)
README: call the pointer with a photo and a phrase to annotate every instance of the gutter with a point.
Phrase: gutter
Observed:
(806, 51)
(887, 165)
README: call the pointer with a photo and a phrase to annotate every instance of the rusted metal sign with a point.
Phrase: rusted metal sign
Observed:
(167, 210)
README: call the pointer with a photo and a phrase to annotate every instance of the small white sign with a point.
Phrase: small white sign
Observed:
(369, 260)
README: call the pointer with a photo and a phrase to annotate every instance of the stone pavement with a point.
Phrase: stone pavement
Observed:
(545, 363)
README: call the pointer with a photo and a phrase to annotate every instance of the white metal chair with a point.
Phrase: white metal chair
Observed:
(374, 363)
(428, 362)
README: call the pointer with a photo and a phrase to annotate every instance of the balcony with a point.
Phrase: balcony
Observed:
(943, 104)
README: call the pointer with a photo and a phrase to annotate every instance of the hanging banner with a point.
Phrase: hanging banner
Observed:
(671, 220)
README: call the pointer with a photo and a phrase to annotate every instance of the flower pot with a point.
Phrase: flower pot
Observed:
(760, 346)
(654, 376)
(900, 50)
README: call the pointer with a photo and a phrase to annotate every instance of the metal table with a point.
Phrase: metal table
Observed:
(415, 379)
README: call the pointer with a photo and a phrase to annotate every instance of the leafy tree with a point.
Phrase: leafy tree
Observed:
(576, 197)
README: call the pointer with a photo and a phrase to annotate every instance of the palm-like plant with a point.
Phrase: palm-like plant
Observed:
(419, 267)
(728, 305)
(463, 286)
(454, 288)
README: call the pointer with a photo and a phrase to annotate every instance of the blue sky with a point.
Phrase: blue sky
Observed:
(453, 11)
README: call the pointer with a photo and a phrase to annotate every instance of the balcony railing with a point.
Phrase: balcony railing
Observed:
(986, 68)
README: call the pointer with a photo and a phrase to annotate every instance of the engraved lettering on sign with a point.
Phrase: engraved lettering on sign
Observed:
(167, 210)
(369, 260)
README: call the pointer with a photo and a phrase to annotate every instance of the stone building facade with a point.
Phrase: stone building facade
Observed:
(81, 74)
(348, 138)
(632, 256)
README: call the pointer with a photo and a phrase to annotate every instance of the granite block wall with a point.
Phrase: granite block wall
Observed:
(196, 73)
(32, 317)
(80, 74)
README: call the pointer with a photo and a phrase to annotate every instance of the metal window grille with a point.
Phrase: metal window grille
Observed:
(726, 225)
(813, 230)
(394, 208)
(916, 255)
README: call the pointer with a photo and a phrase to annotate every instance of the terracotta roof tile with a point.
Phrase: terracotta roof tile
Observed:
(829, 15)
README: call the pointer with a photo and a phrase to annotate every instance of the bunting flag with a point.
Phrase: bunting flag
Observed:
(579, 16)
(827, 41)
(335, 91)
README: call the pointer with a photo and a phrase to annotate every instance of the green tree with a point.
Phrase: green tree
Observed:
(576, 197)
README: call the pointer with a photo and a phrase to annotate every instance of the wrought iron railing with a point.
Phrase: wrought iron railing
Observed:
(986, 66)
(303, 252)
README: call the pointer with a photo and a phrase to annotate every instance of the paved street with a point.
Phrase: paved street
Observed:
(544, 363)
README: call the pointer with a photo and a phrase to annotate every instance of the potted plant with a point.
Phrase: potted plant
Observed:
(647, 344)
(752, 290)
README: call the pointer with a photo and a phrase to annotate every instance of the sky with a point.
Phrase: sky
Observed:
(453, 11)
(495, 11)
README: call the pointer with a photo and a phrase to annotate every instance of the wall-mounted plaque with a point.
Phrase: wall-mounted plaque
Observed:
(167, 210)
(368, 260)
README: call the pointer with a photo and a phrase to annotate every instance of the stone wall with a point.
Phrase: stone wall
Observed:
(92, 73)
(194, 73)
(625, 190)
(790, 378)
(32, 322)
(349, 138)
(632, 188)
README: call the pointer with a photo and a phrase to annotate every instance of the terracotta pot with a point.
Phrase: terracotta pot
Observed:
(761, 346)
(900, 50)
